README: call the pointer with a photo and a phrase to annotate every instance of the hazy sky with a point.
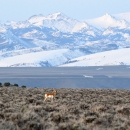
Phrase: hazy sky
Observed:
(19, 10)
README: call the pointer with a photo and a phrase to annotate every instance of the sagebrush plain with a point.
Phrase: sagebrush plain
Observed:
(72, 109)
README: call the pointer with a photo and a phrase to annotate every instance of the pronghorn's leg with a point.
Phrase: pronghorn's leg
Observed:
(52, 98)
(45, 99)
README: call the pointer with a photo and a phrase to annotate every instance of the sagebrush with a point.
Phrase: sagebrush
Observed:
(72, 109)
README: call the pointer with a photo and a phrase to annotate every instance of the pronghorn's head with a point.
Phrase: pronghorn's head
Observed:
(54, 92)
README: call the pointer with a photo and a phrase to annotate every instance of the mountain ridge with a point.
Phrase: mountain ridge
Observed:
(107, 20)
(58, 32)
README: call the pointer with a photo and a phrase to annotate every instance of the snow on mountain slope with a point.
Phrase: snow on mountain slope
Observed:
(58, 21)
(114, 57)
(125, 16)
(57, 31)
(39, 59)
(106, 21)
(40, 34)
(9, 41)
(15, 25)
(2, 28)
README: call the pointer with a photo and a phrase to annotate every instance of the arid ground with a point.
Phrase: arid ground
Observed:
(72, 109)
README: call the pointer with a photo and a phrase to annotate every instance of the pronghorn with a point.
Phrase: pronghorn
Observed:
(50, 95)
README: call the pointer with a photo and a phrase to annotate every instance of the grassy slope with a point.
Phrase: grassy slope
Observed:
(72, 109)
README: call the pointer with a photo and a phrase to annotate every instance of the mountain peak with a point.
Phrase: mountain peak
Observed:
(38, 19)
(36, 16)
(57, 15)
(106, 21)
(107, 16)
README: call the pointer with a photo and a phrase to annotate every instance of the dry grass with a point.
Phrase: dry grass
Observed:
(72, 109)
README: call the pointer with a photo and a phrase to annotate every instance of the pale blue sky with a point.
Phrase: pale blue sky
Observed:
(19, 10)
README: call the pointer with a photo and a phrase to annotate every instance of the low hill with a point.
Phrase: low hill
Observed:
(114, 57)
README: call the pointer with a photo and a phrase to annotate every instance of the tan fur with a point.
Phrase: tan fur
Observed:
(50, 95)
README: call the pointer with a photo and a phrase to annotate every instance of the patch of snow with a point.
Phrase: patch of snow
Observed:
(87, 76)
(2, 30)
(99, 68)
(79, 26)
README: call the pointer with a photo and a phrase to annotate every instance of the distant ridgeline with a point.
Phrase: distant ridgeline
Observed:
(56, 39)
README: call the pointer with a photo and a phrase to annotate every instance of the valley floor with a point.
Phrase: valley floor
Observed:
(72, 109)
(112, 77)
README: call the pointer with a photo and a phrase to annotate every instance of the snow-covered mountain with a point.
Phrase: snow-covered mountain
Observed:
(114, 57)
(60, 22)
(38, 58)
(107, 20)
(42, 35)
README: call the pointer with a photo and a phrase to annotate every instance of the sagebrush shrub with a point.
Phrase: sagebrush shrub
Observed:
(7, 84)
(0, 84)
(72, 109)
(23, 86)
(16, 85)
